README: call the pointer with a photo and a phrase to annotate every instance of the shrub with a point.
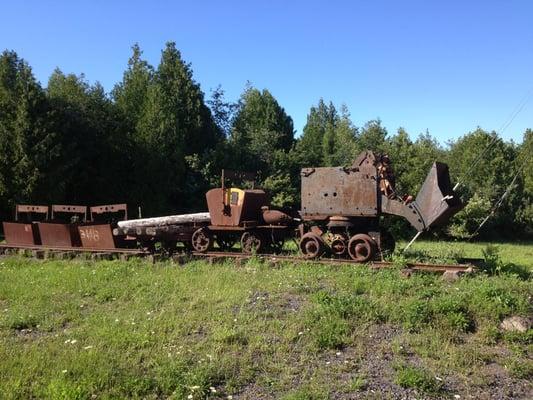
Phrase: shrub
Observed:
(416, 378)
(415, 314)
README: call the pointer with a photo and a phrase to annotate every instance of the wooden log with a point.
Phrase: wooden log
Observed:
(165, 221)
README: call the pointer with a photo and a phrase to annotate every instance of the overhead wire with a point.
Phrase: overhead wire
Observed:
(499, 132)
(500, 201)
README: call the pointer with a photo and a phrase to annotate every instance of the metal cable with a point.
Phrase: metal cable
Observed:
(502, 129)
(500, 201)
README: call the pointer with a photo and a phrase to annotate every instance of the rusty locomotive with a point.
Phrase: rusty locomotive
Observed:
(339, 217)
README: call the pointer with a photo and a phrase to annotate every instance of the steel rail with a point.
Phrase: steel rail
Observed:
(338, 261)
(220, 255)
(73, 249)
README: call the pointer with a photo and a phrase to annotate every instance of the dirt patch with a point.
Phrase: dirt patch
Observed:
(367, 371)
(273, 304)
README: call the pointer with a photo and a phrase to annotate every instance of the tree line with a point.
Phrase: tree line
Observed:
(156, 141)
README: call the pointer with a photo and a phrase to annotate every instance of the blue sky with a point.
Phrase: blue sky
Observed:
(445, 66)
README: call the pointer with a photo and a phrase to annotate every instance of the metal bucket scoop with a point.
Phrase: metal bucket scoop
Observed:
(436, 201)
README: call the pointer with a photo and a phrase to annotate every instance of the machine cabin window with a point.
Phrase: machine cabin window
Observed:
(234, 198)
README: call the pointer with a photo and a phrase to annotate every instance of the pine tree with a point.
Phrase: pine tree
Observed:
(261, 127)
(26, 143)
(94, 152)
(175, 123)
(316, 141)
(373, 137)
(130, 94)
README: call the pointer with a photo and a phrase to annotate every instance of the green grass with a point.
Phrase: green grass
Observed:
(111, 329)
(518, 253)
(416, 378)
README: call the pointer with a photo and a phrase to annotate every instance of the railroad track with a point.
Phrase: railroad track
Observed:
(413, 266)
(45, 252)
(217, 256)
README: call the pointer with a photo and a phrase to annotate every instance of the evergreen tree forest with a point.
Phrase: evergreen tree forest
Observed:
(158, 141)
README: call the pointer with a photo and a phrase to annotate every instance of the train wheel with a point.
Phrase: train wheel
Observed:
(339, 245)
(361, 248)
(202, 240)
(311, 245)
(252, 242)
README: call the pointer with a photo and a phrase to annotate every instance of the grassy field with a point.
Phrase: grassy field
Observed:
(111, 329)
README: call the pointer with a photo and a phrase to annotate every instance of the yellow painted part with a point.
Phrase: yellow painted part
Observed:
(239, 192)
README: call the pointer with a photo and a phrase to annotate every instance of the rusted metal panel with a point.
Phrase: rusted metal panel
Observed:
(108, 212)
(59, 235)
(97, 236)
(437, 200)
(62, 230)
(410, 212)
(30, 209)
(99, 233)
(69, 210)
(24, 231)
(234, 207)
(339, 191)
(17, 233)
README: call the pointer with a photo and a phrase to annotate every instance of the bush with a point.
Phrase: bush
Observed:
(468, 219)
(330, 332)
(416, 314)
(416, 378)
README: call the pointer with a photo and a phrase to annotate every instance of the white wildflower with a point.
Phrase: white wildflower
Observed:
(88, 347)
(73, 341)
(64, 371)
(212, 389)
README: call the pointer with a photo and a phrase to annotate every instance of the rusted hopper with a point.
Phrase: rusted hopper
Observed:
(62, 228)
(24, 231)
(98, 233)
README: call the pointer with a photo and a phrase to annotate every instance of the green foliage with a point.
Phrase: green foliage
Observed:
(521, 369)
(485, 166)
(156, 142)
(416, 314)
(260, 127)
(416, 378)
(358, 383)
(467, 221)
(28, 142)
